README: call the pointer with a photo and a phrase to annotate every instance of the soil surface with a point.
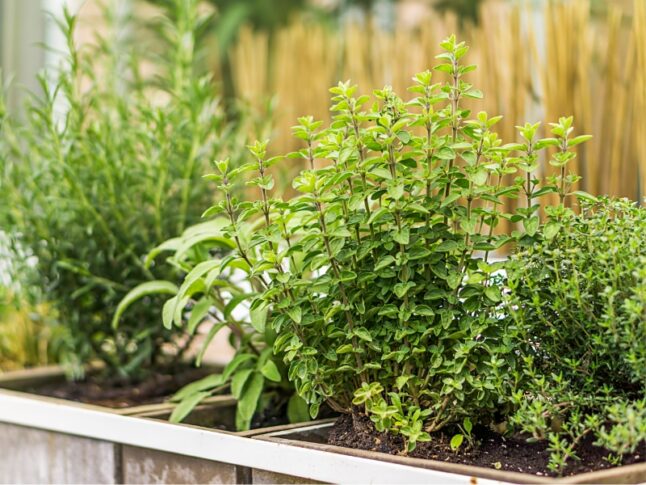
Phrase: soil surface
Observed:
(115, 394)
(275, 414)
(491, 450)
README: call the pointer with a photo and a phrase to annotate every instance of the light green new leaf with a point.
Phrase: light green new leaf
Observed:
(456, 441)
(169, 245)
(580, 194)
(236, 362)
(187, 244)
(198, 312)
(258, 318)
(363, 334)
(206, 383)
(156, 287)
(168, 312)
(551, 230)
(270, 371)
(196, 273)
(185, 407)
(295, 313)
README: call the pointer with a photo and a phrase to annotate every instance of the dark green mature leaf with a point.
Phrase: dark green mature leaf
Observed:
(239, 380)
(297, 409)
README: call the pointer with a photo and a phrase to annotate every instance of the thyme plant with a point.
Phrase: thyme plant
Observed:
(377, 277)
(104, 167)
(578, 305)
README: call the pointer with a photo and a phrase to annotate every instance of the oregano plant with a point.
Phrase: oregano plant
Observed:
(378, 277)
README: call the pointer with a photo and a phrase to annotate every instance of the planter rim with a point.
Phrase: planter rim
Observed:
(608, 475)
(20, 409)
(215, 403)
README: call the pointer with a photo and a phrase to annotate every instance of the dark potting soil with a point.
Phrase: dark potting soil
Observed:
(492, 450)
(118, 394)
(275, 414)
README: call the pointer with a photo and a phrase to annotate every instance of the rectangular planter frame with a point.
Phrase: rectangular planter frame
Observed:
(262, 455)
(629, 474)
(205, 444)
(18, 381)
(145, 465)
(39, 455)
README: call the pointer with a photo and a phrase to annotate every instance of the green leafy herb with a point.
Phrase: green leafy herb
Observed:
(378, 277)
(106, 164)
(578, 309)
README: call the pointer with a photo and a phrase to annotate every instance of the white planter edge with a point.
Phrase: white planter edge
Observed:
(185, 440)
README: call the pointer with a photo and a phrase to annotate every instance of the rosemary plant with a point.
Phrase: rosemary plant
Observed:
(105, 167)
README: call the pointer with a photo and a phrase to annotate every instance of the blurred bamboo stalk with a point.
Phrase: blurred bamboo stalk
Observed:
(639, 128)
(305, 58)
(250, 66)
(533, 64)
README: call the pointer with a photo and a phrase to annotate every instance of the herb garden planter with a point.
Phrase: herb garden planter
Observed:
(314, 437)
(39, 455)
(197, 447)
(147, 465)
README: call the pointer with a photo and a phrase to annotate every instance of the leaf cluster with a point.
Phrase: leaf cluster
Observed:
(102, 168)
(215, 294)
(577, 303)
(377, 278)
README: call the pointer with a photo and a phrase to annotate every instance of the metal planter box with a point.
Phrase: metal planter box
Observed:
(40, 446)
(314, 437)
(33, 455)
